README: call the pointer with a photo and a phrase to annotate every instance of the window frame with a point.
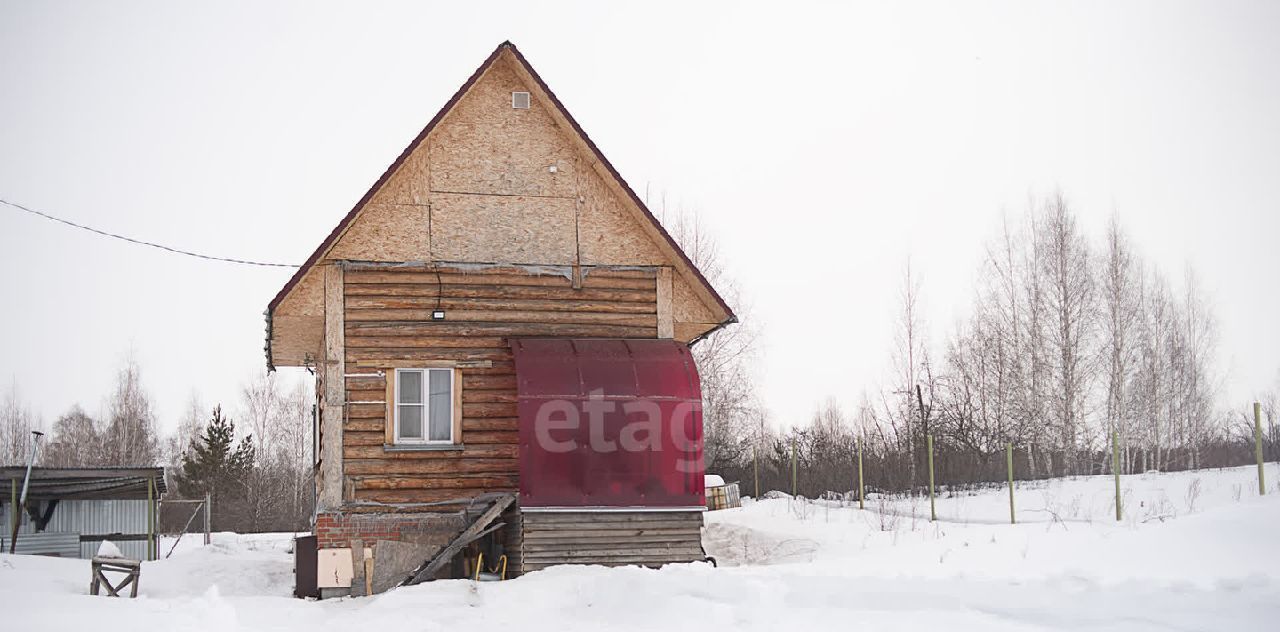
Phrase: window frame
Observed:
(394, 404)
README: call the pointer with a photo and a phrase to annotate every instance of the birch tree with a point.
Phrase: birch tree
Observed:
(1197, 334)
(1120, 285)
(1069, 303)
(1153, 386)
(911, 369)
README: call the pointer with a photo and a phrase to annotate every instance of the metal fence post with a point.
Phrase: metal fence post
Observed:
(794, 491)
(862, 489)
(13, 504)
(1008, 457)
(933, 510)
(1115, 469)
(208, 521)
(151, 519)
(1257, 447)
(755, 464)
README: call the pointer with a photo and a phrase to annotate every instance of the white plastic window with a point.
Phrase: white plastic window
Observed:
(424, 405)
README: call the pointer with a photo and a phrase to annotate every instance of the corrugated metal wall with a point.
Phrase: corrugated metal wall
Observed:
(93, 517)
(59, 543)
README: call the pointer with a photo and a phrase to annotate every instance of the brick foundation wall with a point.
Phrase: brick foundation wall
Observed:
(335, 530)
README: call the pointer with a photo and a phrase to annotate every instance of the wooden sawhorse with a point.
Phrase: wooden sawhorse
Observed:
(131, 568)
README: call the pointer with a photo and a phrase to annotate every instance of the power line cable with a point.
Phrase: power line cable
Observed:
(146, 243)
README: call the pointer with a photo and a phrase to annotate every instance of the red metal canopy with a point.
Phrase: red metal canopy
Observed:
(608, 423)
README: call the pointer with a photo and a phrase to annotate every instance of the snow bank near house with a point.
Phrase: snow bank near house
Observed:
(785, 564)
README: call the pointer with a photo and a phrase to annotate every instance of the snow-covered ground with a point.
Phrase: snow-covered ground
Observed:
(1196, 551)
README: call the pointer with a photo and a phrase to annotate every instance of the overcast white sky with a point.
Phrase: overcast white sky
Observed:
(824, 144)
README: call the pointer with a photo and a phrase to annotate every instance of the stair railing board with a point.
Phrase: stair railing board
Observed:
(475, 531)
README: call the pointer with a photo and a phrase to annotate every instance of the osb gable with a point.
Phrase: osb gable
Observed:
(496, 184)
(387, 232)
(607, 231)
(307, 297)
(487, 146)
(686, 308)
(297, 324)
(692, 317)
(541, 162)
(410, 183)
(500, 229)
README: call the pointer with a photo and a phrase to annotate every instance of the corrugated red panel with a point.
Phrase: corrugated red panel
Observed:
(608, 423)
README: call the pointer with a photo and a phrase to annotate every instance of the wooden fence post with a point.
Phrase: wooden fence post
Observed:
(862, 489)
(1257, 447)
(933, 510)
(1008, 457)
(1115, 469)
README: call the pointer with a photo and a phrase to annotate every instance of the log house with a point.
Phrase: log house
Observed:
(500, 247)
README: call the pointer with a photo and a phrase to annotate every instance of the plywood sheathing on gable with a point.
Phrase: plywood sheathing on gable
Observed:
(307, 297)
(479, 145)
(486, 146)
(608, 234)
(498, 184)
(295, 339)
(692, 317)
(597, 163)
(411, 181)
(499, 229)
(387, 232)
(297, 325)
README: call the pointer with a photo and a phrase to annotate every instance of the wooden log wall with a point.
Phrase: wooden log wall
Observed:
(388, 324)
(611, 538)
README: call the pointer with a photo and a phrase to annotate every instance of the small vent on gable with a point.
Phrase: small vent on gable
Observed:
(520, 100)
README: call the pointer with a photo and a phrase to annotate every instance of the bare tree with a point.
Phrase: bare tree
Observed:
(76, 441)
(1120, 284)
(192, 423)
(1197, 337)
(1069, 301)
(1152, 386)
(725, 358)
(1033, 350)
(16, 423)
(130, 437)
(988, 399)
(974, 410)
(279, 420)
(911, 370)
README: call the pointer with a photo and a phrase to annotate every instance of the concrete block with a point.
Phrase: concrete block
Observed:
(393, 561)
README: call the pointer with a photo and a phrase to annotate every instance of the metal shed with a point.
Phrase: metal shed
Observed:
(70, 511)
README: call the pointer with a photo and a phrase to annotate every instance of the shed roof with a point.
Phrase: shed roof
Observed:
(79, 483)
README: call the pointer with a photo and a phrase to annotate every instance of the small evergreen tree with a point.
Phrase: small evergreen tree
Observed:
(216, 465)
